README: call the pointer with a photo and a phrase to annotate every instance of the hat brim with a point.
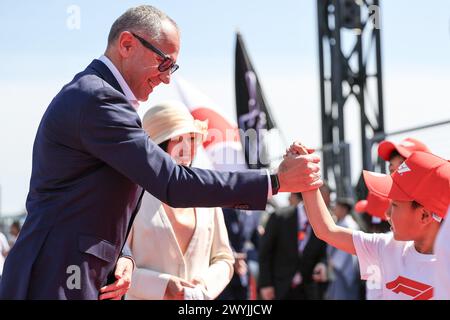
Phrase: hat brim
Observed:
(385, 149)
(179, 132)
(384, 186)
(404, 152)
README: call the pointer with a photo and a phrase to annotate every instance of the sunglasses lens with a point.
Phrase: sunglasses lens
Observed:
(165, 65)
(174, 68)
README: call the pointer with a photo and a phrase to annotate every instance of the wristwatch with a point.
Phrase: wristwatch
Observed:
(275, 183)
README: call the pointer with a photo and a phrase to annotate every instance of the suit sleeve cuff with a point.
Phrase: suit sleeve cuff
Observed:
(269, 185)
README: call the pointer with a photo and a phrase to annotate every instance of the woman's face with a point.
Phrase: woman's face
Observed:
(183, 148)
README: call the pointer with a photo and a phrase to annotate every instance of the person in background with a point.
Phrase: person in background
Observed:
(320, 273)
(344, 283)
(242, 227)
(14, 231)
(4, 250)
(396, 153)
(180, 253)
(289, 251)
(377, 208)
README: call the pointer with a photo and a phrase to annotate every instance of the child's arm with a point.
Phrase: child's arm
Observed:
(323, 224)
(318, 215)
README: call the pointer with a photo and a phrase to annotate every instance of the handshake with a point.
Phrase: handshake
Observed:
(299, 171)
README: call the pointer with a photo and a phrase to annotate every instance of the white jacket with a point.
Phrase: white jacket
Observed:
(158, 255)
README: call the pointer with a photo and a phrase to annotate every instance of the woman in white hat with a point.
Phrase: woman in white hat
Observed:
(179, 253)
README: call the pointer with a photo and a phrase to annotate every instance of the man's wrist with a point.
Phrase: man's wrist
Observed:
(275, 183)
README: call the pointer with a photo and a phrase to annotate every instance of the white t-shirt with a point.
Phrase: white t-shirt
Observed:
(442, 251)
(394, 268)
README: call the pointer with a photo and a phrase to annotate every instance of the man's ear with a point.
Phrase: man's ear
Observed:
(126, 43)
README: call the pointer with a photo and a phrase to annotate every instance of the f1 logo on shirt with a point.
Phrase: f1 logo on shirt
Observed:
(417, 290)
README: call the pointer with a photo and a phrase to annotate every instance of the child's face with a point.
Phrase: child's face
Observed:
(405, 221)
(395, 162)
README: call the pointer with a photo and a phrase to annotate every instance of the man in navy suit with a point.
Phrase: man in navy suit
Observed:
(92, 161)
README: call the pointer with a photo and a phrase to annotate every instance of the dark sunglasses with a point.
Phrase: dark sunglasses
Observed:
(167, 64)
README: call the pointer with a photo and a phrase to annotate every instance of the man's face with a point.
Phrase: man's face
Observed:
(140, 66)
(395, 162)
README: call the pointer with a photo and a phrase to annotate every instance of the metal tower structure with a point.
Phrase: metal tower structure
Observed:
(350, 73)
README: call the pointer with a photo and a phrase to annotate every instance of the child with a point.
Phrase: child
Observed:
(395, 154)
(400, 264)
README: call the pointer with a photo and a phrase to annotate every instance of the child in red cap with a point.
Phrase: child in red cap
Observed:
(395, 154)
(400, 264)
(374, 205)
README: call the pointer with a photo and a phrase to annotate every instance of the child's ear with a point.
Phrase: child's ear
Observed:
(426, 216)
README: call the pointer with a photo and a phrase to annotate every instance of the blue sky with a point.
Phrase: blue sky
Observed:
(39, 54)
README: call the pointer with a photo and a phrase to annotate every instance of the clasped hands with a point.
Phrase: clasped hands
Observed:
(299, 171)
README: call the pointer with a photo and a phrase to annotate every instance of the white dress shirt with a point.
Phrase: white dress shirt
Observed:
(123, 84)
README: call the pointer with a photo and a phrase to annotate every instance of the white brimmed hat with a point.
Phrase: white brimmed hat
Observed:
(171, 119)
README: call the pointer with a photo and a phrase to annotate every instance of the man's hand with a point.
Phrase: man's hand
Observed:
(115, 291)
(299, 171)
(320, 273)
(175, 288)
(268, 293)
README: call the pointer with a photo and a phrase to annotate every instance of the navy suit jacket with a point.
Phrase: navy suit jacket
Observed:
(91, 161)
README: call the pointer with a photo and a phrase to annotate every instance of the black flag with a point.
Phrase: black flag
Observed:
(253, 116)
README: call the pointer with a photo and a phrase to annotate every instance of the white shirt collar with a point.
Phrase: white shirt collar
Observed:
(123, 84)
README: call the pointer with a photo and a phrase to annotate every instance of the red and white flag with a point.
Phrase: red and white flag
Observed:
(223, 145)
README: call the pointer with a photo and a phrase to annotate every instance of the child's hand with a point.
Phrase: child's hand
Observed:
(298, 148)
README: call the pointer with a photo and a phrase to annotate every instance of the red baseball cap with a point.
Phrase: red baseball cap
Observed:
(374, 205)
(405, 148)
(423, 177)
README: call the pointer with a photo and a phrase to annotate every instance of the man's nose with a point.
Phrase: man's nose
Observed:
(165, 77)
